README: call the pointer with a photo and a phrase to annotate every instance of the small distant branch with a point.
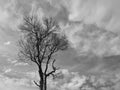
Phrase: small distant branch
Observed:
(36, 84)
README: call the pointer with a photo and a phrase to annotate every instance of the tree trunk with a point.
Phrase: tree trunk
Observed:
(41, 79)
(41, 85)
(41, 82)
(45, 83)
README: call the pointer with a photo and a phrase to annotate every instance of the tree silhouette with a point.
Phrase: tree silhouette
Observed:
(40, 42)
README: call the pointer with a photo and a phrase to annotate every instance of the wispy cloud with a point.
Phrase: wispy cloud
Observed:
(7, 43)
(103, 14)
(15, 84)
(8, 70)
(90, 39)
(92, 26)
(73, 81)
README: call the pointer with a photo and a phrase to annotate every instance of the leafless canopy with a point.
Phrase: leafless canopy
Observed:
(41, 40)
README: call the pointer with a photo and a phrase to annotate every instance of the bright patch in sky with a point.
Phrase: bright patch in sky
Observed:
(8, 70)
(7, 43)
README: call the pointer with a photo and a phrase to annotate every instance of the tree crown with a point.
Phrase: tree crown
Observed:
(41, 41)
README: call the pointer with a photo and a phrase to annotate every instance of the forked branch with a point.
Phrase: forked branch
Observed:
(54, 69)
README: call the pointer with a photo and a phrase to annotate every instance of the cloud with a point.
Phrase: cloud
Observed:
(87, 29)
(104, 13)
(90, 39)
(21, 64)
(70, 81)
(100, 16)
(91, 26)
(66, 81)
(12, 60)
(73, 81)
(33, 75)
(96, 65)
(8, 70)
(78, 15)
(15, 84)
(7, 43)
(10, 16)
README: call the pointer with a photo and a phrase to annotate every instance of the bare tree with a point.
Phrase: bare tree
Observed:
(40, 42)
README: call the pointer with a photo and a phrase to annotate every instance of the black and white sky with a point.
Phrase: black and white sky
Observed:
(92, 28)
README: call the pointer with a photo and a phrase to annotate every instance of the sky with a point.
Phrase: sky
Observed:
(91, 27)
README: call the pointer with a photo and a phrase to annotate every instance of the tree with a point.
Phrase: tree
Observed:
(40, 42)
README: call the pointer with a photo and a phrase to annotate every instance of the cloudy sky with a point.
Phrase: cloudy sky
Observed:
(92, 29)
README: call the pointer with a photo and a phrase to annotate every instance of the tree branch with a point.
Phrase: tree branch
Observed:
(49, 57)
(36, 84)
(54, 69)
(43, 55)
